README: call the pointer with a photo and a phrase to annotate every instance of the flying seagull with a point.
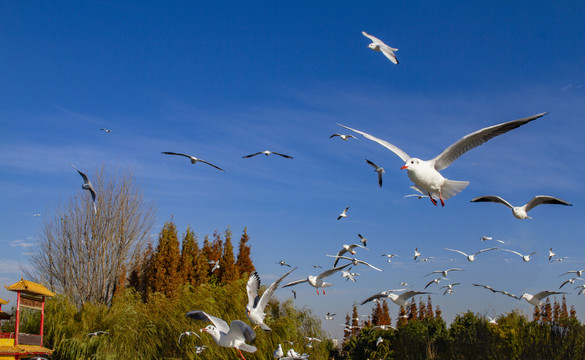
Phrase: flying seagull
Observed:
(579, 273)
(448, 288)
(106, 130)
(525, 258)
(193, 159)
(570, 281)
(256, 304)
(443, 272)
(426, 175)
(354, 261)
(343, 214)
(551, 254)
(485, 238)
(536, 299)
(389, 256)
(379, 170)
(236, 335)
(342, 136)
(378, 45)
(416, 254)
(471, 257)
(435, 281)
(187, 333)
(520, 212)
(267, 152)
(400, 300)
(347, 248)
(317, 281)
(87, 186)
(283, 263)
(215, 265)
(363, 240)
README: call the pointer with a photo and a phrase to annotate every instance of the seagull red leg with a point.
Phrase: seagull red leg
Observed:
(441, 198)
(317, 291)
(433, 200)
(240, 355)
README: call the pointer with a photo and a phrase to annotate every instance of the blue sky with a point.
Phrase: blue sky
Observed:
(227, 79)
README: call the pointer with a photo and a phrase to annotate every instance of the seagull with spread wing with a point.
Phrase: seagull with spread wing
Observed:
(354, 261)
(471, 257)
(347, 248)
(536, 299)
(87, 186)
(192, 158)
(521, 212)
(317, 281)
(379, 170)
(443, 272)
(256, 304)
(267, 152)
(525, 258)
(234, 336)
(379, 45)
(425, 174)
(400, 300)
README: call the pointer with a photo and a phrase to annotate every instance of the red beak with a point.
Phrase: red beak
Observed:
(404, 167)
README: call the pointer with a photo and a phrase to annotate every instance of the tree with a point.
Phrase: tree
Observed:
(165, 273)
(228, 271)
(189, 254)
(244, 262)
(81, 252)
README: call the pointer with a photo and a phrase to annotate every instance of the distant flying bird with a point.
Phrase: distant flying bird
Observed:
(520, 212)
(193, 159)
(389, 256)
(416, 254)
(215, 265)
(570, 281)
(36, 215)
(349, 275)
(578, 272)
(283, 263)
(498, 291)
(257, 303)
(379, 341)
(379, 170)
(418, 196)
(87, 186)
(267, 152)
(492, 320)
(425, 259)
(551, 254)
(317, 281)
(559, 259)
(363, 240)
(354, 261)
(329, 316)
(318, 266)
(581, 289)
(443, 272)
(472, 256)
(106, 130)
(347, 248)
(187, 333)
(343, 137)
(294, 294)
(235, 336)
(484, 238)
(425, 174)
(343, 214)
(378, 45)
(448, 288)
(536, 299)
(400, 300)
(435, 281)
(199, 349)
(525, 258)
(97, 333)
(382, 327)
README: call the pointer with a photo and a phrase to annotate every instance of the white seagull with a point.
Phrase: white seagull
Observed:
(354, 261)
(317, 281)
(329, 316)
(416, 254)
(283, 263)
(443, 272)
(192, 158)
(389, 256)
(349, 275)
(435, 281)
(267, 152)
(520, 212)
(278, 353)
(525, 258)
(187, 333)
(578, 272)
(379, 170)
(492, 320)
(378, 45)
(536, 299)
(379, 341)
(363, 240)
(256, 304)
(471, 257)
(343, 214)
(106, 130)
(582, 289)
(215, 265)
(570, 281)
(342, 136)
(87, 186)
(235, 336)
(448, 288)
(347, 248)
(551, 254)
(484, 238)
(400, 300)
(425, 174)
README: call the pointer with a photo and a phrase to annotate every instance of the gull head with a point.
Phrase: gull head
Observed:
(411, 164)
(374, 47)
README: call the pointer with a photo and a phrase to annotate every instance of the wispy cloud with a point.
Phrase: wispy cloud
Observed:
(21, 243)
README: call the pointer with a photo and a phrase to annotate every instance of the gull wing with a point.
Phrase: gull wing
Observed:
(389, 53)
(208, 163)
(284, 156)
(330, 272)
(252, 288)
(477, 138)
(174, 153)
(411, 293)
(374, 297)
(486, 287)
(396, 150)
(85, 179)
(295, 283)
(373, 165)
(543, 199)
(271, 289)
(203, 316)
(239, 329)
(494, 199)
(248, 156)
(543, 294)
(459, 251)
(484, 250)
(512, 251)
(373, 38)
(370, 265)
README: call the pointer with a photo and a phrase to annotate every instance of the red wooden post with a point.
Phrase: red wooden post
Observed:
(17, 326)
(42, 318)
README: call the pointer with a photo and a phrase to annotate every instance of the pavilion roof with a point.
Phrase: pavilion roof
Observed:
(30, 287)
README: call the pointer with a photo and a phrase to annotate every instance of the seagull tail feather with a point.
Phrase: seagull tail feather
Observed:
(452, 187)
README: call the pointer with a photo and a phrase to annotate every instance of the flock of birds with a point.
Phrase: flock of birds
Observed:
(428, 183)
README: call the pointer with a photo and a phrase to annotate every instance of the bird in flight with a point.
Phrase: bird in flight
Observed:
(267, 152)
(425, 173)
(193, 159)
(87, 186)
(343, 214)
(471, 257)
(378, 45)
(343, 137)
(521, 212)
(379, 170)
(106, 130)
